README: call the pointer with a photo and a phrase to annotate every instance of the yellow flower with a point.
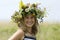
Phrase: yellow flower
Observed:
(21, 4)
(33, 14)
(20, 16)
(44, 9)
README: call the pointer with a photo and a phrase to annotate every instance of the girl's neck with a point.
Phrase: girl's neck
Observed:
(29, 30)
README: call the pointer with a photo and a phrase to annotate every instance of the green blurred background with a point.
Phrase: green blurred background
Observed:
(47, 31)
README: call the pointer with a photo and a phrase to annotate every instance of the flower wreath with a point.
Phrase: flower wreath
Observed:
(28, 9)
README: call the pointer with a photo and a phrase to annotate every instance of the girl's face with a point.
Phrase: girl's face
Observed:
(29, 20)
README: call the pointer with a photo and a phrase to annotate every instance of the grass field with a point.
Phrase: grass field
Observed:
(48, 31)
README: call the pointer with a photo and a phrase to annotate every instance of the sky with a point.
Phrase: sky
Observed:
(7, 8)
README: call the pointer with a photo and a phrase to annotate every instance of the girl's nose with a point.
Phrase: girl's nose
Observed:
(29, 19)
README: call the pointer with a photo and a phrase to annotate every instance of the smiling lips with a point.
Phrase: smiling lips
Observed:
(29, 23)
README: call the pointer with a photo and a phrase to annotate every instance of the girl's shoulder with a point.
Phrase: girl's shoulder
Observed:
(20, 31)
(19, 34)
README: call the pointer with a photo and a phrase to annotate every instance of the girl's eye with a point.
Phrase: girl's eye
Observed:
(32, 17)
(27, 17)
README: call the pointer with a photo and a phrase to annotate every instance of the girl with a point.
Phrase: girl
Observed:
(26, 18)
